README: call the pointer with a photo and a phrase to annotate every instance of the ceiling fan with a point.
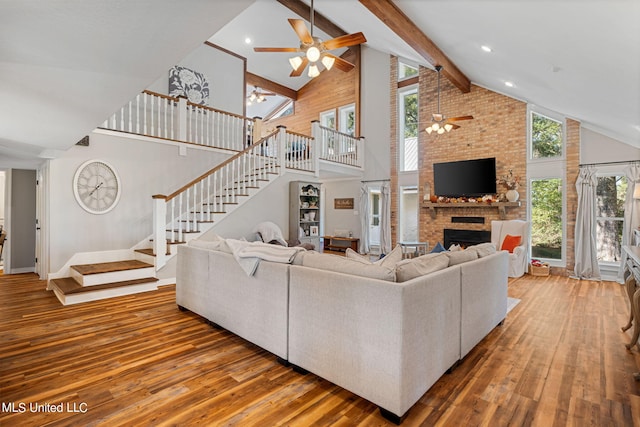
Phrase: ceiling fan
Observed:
(258, 96)
(312, 49)
(440, 124)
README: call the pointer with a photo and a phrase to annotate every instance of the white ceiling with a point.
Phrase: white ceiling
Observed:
(579, 58)
(65, 65)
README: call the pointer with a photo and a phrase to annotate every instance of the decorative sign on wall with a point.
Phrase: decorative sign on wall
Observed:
(190, 84)
(343, 203)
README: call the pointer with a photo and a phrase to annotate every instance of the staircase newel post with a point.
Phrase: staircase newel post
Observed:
(282, 148)
(182, 118)
(257, 129)
(159, 229)
(316, 133)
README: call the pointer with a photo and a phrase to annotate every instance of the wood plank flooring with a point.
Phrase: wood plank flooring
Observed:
(559, 359)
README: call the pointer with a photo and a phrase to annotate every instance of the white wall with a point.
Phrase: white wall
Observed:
(375, 126)
(342, 219)
(375, 111)
(225, 73)
(597, 148)
(2, 202)
(145, 168)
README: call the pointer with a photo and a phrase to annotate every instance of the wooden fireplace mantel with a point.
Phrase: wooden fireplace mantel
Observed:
(501, 206)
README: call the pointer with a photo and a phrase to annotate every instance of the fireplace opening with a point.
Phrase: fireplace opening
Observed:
(465, 238)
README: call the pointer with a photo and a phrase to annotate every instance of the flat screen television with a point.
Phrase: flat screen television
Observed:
(465, 178)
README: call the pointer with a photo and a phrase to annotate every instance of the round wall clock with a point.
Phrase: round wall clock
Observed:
(96, 186)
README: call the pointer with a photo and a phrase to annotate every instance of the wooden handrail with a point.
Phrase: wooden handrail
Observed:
(159, 95)
(215, 110)
(299, 134)
(340, 133)
(212, 171)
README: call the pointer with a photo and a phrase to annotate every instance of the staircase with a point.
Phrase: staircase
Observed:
(179, 217)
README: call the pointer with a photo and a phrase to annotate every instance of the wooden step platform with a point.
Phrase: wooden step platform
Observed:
(108, 267)
(68, 285)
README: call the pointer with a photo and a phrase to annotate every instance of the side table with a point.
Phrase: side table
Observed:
(413, 249)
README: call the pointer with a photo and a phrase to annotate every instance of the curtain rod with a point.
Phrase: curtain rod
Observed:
(610, 163)
(376, 180)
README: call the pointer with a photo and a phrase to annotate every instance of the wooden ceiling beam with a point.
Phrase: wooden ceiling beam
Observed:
(303, 10)
(407, 30)
(266, 84)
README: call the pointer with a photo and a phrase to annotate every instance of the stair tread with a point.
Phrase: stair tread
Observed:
(109, 267)
(68, 285)
(146, 251)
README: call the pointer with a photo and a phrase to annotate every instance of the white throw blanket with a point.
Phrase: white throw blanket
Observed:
(249, 254)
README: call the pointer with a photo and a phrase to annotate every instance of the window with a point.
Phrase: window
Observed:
(408, 214)
(408, 128)
(283, 110)
(347, 119)
(546, 137)
(328, 119)
(405, 70)
(610, 196)
(546, 218)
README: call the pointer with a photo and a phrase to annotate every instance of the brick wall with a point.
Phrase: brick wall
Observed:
(497, 130)
(572, 149)
(393, 147)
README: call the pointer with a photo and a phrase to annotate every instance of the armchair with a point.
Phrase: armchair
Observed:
(519, 258)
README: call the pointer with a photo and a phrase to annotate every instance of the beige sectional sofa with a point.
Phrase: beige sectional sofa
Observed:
(384, 340)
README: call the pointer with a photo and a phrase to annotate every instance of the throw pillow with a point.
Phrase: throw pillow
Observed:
(408, 269)
(438, 248)
(510, 243)
(392, 258)
(269, 231)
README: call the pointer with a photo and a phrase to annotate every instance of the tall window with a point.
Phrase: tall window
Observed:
(408, 128)
(408, 220)
(374, 218)
(347, 119)
(546, 218)
(546, 137)
(610, 196)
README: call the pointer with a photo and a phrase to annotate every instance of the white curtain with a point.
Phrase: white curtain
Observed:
(586, 251)
(631, 214)
(365, 211)
(385, 218)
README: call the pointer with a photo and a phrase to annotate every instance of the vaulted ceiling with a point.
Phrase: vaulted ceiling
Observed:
(66, 65)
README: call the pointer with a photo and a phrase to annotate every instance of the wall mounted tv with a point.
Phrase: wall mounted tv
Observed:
(465, 178)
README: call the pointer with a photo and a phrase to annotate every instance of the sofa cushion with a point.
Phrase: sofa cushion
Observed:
(345, 265)
(458, 257)
(389, 260)
(411, 268)
(483, 249)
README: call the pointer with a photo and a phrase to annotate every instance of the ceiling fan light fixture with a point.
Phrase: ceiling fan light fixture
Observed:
(313, 54)
(328, 61)
(448, 127)
(313, 71)
(295, 62)
(440, 131)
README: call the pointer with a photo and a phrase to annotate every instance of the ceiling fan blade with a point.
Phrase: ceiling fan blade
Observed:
(457, 119)
(276, 49)
(455, 127)
(340, 63)
(297, 72)
(344, 41)
(301, 30)
(267, 93)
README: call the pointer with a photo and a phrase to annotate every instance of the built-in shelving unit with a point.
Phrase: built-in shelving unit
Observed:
(501, 206)
(304, 212)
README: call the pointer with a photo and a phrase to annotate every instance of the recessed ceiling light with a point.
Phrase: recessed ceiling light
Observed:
(486, 48)
(247, 40)
(509, 84)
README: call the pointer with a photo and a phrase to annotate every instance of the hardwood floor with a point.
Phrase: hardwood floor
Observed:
(559, 359)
